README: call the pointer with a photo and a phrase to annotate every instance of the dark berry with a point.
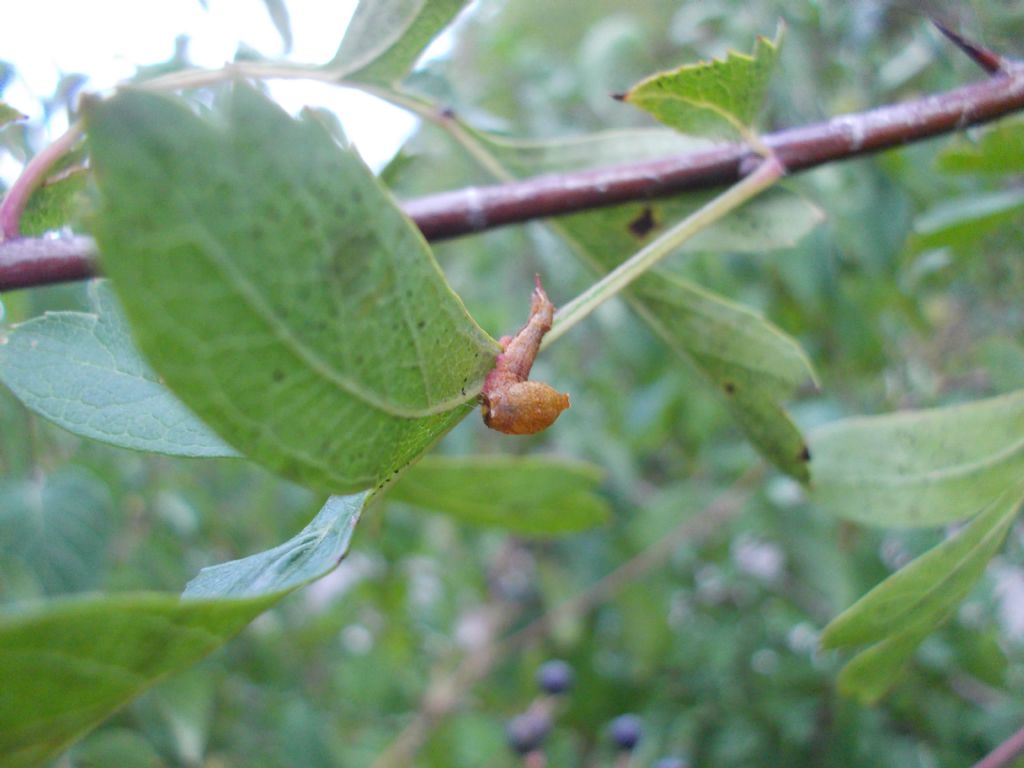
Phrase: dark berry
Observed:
(671, 762)
(527, 732)
(555, 676)
(626, 731)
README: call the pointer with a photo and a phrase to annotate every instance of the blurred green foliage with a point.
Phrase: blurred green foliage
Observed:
(716, 647)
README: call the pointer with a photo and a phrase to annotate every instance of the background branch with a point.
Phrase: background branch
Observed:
(1005, 754)
(29, 262)
(446, 692)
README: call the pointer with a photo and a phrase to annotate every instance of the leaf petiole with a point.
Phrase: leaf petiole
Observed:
(12, 206)
(766, 174)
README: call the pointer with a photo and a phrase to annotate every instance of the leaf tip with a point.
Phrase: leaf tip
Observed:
(827, 640)
(780, 33)
(9, 114)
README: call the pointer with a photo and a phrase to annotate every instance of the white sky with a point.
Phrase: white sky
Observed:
(107, 39)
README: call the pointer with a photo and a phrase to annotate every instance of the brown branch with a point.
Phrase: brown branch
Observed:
(32, 261)
(1004, 755)
(475, 209)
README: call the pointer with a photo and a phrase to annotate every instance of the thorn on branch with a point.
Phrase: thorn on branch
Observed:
(988, 60)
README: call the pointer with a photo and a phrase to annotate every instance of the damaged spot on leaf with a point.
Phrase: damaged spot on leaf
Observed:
(644, 222)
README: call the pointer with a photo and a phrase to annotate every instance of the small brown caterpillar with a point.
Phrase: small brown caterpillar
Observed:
(510, 403)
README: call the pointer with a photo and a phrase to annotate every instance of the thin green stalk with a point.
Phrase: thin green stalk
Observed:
(430, 112)
(32, 177)
(256, 70)
(767, 173)
(197, 78)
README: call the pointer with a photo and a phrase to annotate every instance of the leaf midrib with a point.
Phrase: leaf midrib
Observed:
(948, 472)
(252, 297)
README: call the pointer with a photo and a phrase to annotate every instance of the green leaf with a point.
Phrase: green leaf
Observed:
(82, 371)
(311, 553)
(872, 672)
(56, 528)
(903, 609)
(116, 746)
(278, 290)
(751, 363)
(386, 37)
(930, 585)
(711, 98)
(278, 12)
(524, 157)
(980, 652)
(998, 150)
(53, 205)
(184, 707)
(9, 114)
(528, 495)
(919, 468)
(776, 219)
(68, 664)
(961, 222)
